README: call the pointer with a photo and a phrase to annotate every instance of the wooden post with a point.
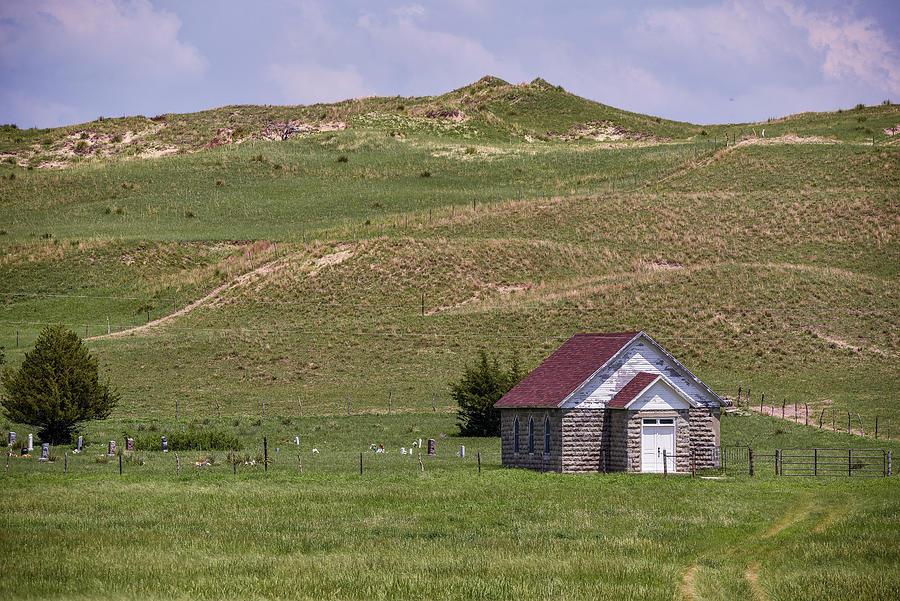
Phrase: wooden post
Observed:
(750, 453)
(176, 409)
(739, 390)
(796, 413)
(889, 463)
(66, 462)
(782, 410)
(265, 454)
(300, 461)
(479, 462)
(815, 462)
(821, 415)
(776, 461)
(849, 462)
(432, 403)
(848, 422)
(693, 465)
(876, 427)
(423, 304)
(665, 465)
(806, 407)
(120, 464)
(275, 246)
(360, 464)
(762, 402)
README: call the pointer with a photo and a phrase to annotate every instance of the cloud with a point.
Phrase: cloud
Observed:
(307, 82)
(430, 58)
(114, 35)
(851, 47)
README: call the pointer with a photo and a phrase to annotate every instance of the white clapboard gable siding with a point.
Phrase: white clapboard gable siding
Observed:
(640, 355)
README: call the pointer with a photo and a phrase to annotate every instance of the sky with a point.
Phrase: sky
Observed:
(704, 61)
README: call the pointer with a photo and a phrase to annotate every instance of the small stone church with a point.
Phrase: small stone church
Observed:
(610, 402)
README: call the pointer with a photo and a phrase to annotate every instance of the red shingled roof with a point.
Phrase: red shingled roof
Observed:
(638, 383)
(565, 370)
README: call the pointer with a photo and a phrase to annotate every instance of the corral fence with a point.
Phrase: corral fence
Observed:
(742, 460)
(834, 462)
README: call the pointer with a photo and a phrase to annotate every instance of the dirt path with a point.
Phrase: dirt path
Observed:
(342, 252)
(799, 417)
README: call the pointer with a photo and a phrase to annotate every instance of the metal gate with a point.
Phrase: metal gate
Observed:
(736, 460)
(834, 462)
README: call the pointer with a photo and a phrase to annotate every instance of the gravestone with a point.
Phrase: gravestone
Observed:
(165, 445)
(80, 443)
(129, 444)
(431, 447)
(462, 451)
(296, 440)
(12, 439)
(112, 447)
(45, 452)
(30, 442)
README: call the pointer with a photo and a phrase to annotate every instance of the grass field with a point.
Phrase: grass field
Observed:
(396, 533)
(365, 260)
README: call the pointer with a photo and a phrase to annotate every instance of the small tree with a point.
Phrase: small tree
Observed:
(482, 385)
(56, 387)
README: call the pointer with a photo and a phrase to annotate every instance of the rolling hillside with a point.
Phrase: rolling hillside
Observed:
(373, 251)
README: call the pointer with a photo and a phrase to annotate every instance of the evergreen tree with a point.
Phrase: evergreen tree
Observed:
(56, 387)
(482, 385)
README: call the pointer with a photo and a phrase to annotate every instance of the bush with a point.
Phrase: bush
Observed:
(57, 387)
(342, 159)
(482, 385)
(192, 440)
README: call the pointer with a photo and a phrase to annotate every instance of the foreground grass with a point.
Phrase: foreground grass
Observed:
(448, 535)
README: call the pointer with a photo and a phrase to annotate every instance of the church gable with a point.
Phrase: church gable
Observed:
(641, 355)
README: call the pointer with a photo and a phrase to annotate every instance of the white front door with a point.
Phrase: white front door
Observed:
(657, 435)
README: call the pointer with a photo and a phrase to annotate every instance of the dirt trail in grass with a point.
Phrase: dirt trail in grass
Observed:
(341, 253)
(757, 549)
(798, 416)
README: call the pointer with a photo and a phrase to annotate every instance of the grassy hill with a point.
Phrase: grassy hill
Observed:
(494, 216)
(263, 285)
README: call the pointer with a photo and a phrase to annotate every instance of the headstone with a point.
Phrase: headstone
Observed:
(30, 442)
(129, 444)
(462, 450)
(420, 444)
(45, 452)
(12, 439)
(80, 443)
(403, 450)
(112, 447)
(296, 440)
(431, 447)
(165, 445)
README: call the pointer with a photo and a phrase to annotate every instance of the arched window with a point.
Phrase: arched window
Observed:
(531, 435)
(547, 435)
(516, 435)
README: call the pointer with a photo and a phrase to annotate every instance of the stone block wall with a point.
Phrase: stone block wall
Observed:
(540, 460)
(584, 435)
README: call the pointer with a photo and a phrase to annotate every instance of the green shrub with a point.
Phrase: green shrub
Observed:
(192, 440)
(480, 386)
(342, 159)
(117, 138)
(81, 146)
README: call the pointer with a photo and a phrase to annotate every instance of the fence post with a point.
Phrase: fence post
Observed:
(360, 464)
(776, 461)
(432, 402)
(876, 427)
(782, 409)
(815, 462)
(806, 407)
(849, 462)
(889, 463)
(739, 389)
(848, 422)
(266, 454)
(665, 465)
(750, 453)
(479, 463)
(762, 402)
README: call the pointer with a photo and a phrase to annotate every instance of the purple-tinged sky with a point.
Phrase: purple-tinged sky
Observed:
(715, 61)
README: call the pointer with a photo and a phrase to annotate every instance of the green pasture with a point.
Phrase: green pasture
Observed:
(398, 533)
